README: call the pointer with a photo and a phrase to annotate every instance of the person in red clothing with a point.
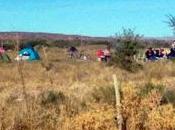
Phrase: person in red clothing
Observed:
(100, 55)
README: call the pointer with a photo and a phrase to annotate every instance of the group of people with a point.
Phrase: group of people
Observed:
(103, 55)
(75, 54)
(160, 53)
(154, 54)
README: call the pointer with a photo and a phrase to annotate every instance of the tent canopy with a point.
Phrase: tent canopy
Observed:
(29, 51)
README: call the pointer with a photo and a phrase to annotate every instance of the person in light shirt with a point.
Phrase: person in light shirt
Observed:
(107, 54)
(173, 44)
(171, 55)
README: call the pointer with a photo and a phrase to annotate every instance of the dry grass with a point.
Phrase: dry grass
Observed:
(76, 81)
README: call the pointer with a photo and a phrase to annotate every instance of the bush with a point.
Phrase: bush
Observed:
(70, 104)
(169, 97)
(51, 97)
(104, 95)
(126, 47)
(102, 118)
(150, 87)
(161, 118)
(19, 124)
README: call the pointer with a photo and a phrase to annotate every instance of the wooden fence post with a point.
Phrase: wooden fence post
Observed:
(47, 67)
(118, 103)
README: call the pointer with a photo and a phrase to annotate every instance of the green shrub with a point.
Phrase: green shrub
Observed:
(126, 47)
(144, 91)
(51, 97)
(104, 95)
(169, 97)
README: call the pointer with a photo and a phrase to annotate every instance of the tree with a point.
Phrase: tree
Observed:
(126, 47)
(171, 22)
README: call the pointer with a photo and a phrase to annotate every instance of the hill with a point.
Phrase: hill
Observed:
(46, 36)
(7, 39)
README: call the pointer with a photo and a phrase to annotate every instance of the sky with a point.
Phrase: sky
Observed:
(87, 17)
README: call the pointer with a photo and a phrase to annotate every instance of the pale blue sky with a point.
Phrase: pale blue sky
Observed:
(86, 17)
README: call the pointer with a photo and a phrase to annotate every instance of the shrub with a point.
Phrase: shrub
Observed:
(126, 47)
(19, 124)
(169, 97)
(161, 118)
(51, 97)
(104, 95)
(138, 106)
(150, 87)
(70, 105)
(73, 106)
(100, 119)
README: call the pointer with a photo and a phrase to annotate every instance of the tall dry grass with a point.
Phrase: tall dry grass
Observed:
(81, 96)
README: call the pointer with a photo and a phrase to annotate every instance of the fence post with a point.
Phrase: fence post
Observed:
(118, 103)
(47, 67)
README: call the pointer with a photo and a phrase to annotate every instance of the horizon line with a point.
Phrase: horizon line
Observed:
(81, 35)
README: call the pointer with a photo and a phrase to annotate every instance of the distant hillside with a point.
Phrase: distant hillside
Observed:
(54, 36)
(46, 36)
(60, 40)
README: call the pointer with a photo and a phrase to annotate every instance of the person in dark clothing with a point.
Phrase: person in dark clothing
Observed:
(171, 54)
(150, 55)
(159, 53)
(73, 49)
(73, 52)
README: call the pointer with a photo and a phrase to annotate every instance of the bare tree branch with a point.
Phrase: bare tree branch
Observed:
(171, 22)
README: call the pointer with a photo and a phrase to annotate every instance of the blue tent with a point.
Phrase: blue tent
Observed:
(31, 52)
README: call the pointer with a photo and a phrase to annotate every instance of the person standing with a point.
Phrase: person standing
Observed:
(100, 55)
(107, 54)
